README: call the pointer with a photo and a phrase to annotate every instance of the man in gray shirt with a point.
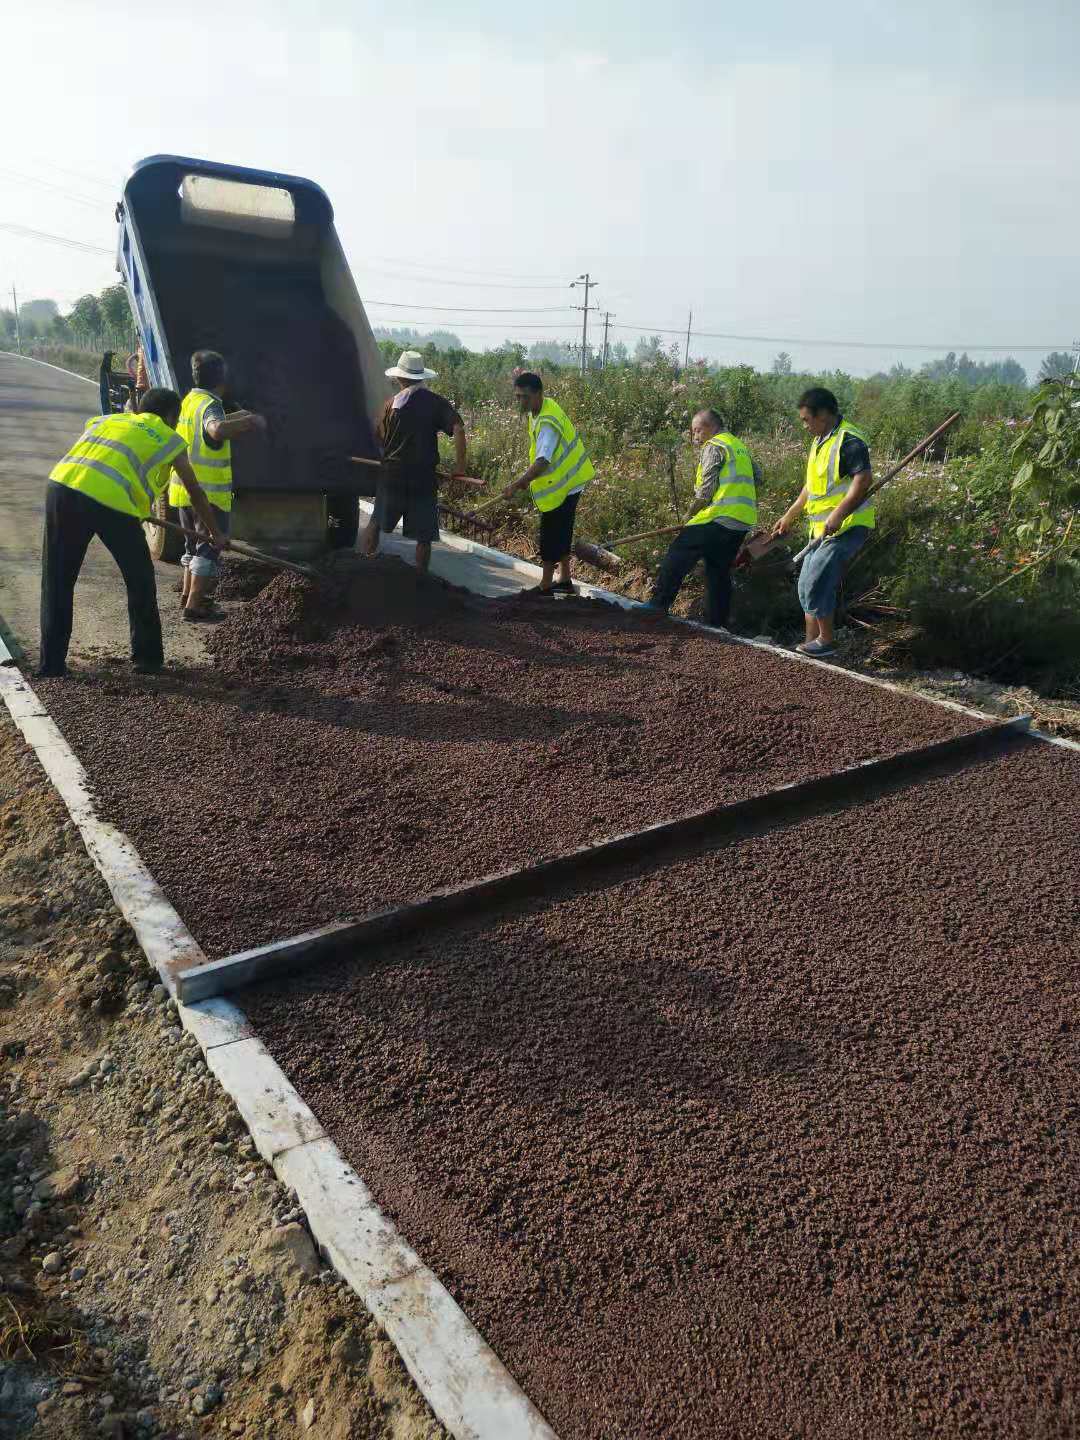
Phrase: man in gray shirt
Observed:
(724, 509)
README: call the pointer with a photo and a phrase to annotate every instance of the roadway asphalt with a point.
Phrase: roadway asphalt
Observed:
(42, 410)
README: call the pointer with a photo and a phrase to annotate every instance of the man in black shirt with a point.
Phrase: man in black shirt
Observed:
(409, 433)
(840, 514)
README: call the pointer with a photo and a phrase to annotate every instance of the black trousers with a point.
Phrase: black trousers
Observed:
(72, 520)
(717, 546)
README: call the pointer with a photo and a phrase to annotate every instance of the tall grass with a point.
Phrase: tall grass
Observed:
(947, 527)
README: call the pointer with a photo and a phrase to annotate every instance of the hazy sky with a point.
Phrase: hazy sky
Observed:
(898, 172)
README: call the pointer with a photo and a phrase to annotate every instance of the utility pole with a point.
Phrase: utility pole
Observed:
(18, 332)
(689, 322)
(1076, 347)
(608, 317)
(589, 283)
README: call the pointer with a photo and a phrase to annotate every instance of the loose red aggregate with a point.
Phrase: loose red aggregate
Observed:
(365, 740)
(776, 1140)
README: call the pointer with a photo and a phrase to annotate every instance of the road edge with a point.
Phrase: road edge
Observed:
(466, 1384)
(33, 360)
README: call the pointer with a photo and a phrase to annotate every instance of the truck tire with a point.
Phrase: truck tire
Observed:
(165, 544)
(342, 521)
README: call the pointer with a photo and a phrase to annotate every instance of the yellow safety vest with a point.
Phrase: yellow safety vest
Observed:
(121, 461)
(570, 468)
(213, 468)
(824, 487)
(735, 496)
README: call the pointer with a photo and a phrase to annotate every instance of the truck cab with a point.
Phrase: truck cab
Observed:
(248, 262)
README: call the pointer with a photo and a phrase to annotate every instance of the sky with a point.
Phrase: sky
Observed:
(877, 175)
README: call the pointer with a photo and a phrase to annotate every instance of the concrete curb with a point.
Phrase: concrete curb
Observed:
(460, 1376)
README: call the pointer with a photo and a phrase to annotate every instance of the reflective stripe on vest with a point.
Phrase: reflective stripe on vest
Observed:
(735, 495)
(825, 488)
(569, 469)
(213, 468)
(121, 461)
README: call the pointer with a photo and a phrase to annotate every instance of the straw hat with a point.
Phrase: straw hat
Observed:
(410, 366)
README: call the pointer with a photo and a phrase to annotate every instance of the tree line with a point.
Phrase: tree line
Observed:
(101, 321)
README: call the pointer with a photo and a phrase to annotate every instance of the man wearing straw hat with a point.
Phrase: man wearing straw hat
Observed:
(409, 431)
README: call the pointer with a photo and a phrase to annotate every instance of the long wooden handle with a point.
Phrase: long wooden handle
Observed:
(442, 474)
(238, 545)
(643, 535)
(914, 454)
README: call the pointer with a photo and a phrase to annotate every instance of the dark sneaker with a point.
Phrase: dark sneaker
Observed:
(146, 667)
(51, 674)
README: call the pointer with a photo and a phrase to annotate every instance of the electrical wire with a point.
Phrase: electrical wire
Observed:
(841, 344)
(463, 284)
(461, 270)
(26, 233)
(474, 309)
(86, 200)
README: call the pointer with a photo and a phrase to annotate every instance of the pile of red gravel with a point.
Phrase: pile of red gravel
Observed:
(777, 1140)
(370, 738)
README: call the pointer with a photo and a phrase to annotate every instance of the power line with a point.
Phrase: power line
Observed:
(476, 309)
(842, 344)
(27, 234)
(75, 174)
(460, 270)
(56, 189)
(463, 284)
(386, 322)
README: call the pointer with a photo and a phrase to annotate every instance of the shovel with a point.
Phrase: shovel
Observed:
(294, 566)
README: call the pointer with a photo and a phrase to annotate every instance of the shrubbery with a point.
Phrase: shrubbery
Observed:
(949, 528)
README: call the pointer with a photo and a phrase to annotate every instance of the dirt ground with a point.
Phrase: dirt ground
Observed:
(155, 1278)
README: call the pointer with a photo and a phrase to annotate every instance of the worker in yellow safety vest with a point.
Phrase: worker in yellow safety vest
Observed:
(106, 485)
(208, 432)
(724, 510)
(559, 470)
(841, 517)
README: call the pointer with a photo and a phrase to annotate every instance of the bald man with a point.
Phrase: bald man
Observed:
(724, 510)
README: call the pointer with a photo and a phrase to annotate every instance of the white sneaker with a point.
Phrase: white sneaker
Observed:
(817, 648)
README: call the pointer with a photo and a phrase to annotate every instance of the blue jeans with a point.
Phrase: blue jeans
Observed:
(823, 569)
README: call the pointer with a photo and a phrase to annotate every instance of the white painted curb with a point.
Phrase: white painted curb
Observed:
(460, 1376)
(33, 360)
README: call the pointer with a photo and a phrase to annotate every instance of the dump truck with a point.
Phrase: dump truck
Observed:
(248, 262)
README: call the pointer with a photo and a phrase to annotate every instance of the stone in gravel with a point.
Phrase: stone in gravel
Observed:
(287, 1254)
(307, 1416)
(53, 1263)
(160, 994)
(60, 1185)
(109, 962)
(72, 1387)
(78, 1273)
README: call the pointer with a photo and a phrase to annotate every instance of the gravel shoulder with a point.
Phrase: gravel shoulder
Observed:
(155, 1279)
(363, 742)
(773, 1140)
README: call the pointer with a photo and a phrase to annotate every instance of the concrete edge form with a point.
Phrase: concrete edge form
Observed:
(282, 957)
(6, 657)
(463, 1380)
